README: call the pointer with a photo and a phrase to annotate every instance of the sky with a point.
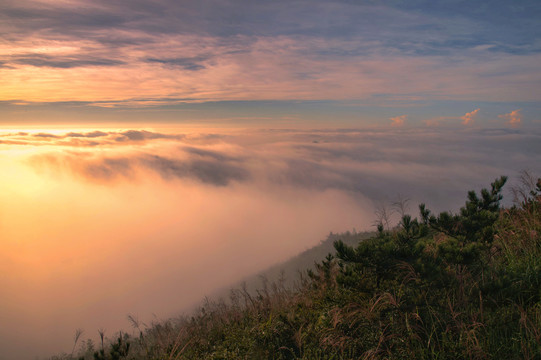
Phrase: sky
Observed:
(276, 63)
(152, 152)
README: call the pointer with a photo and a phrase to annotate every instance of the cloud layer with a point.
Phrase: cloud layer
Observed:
(112, 53)
(319, 159)
(100, 223)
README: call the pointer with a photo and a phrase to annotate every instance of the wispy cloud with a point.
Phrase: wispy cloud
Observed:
(352, 161)
(190, 63)
(113, 53)
(92, 134)
(514, 118)
(61, 62)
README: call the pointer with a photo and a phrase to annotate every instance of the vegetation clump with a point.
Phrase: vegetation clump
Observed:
(445, 286)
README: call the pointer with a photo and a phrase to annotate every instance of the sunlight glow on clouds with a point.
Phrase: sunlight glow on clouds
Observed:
(398, 120)
(467, 119)
(198, 68)
(101, 223)
(514, 118)
(297, 117)
(135, 53)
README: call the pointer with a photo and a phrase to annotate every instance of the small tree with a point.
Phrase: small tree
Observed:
(476, 219)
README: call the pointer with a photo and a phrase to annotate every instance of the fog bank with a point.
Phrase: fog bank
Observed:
(99, 224)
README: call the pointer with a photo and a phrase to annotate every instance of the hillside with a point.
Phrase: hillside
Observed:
(289, 272)
(440, 286)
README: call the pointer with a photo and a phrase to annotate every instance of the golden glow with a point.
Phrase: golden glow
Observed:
(83, 246)
(41, 70)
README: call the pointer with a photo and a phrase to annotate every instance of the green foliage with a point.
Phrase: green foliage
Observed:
(475, 221)
(445, 286)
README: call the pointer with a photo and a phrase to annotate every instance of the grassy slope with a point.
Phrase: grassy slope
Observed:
(446, 286)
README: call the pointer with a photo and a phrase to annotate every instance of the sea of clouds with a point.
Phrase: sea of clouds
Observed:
(99, 224)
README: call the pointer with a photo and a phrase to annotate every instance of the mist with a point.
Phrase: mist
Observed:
(100, 224)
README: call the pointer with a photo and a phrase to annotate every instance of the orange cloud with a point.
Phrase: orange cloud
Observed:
(398, 120)
(514, 118)
(146, 70)
(468, 117)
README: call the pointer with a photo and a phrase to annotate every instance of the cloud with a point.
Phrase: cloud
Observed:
(514, 118)
(93, 138)
(219, 156)
(115, 53)
(468, 117)
(104, 169)
(207, 167)
(47, 136)
(137, 135)
(155, 222)
(351, 161)
(217, 69)
(373, 164)
(61, 62)
(398, 120)
(190, 63)
(91, 134)
(207, 171)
